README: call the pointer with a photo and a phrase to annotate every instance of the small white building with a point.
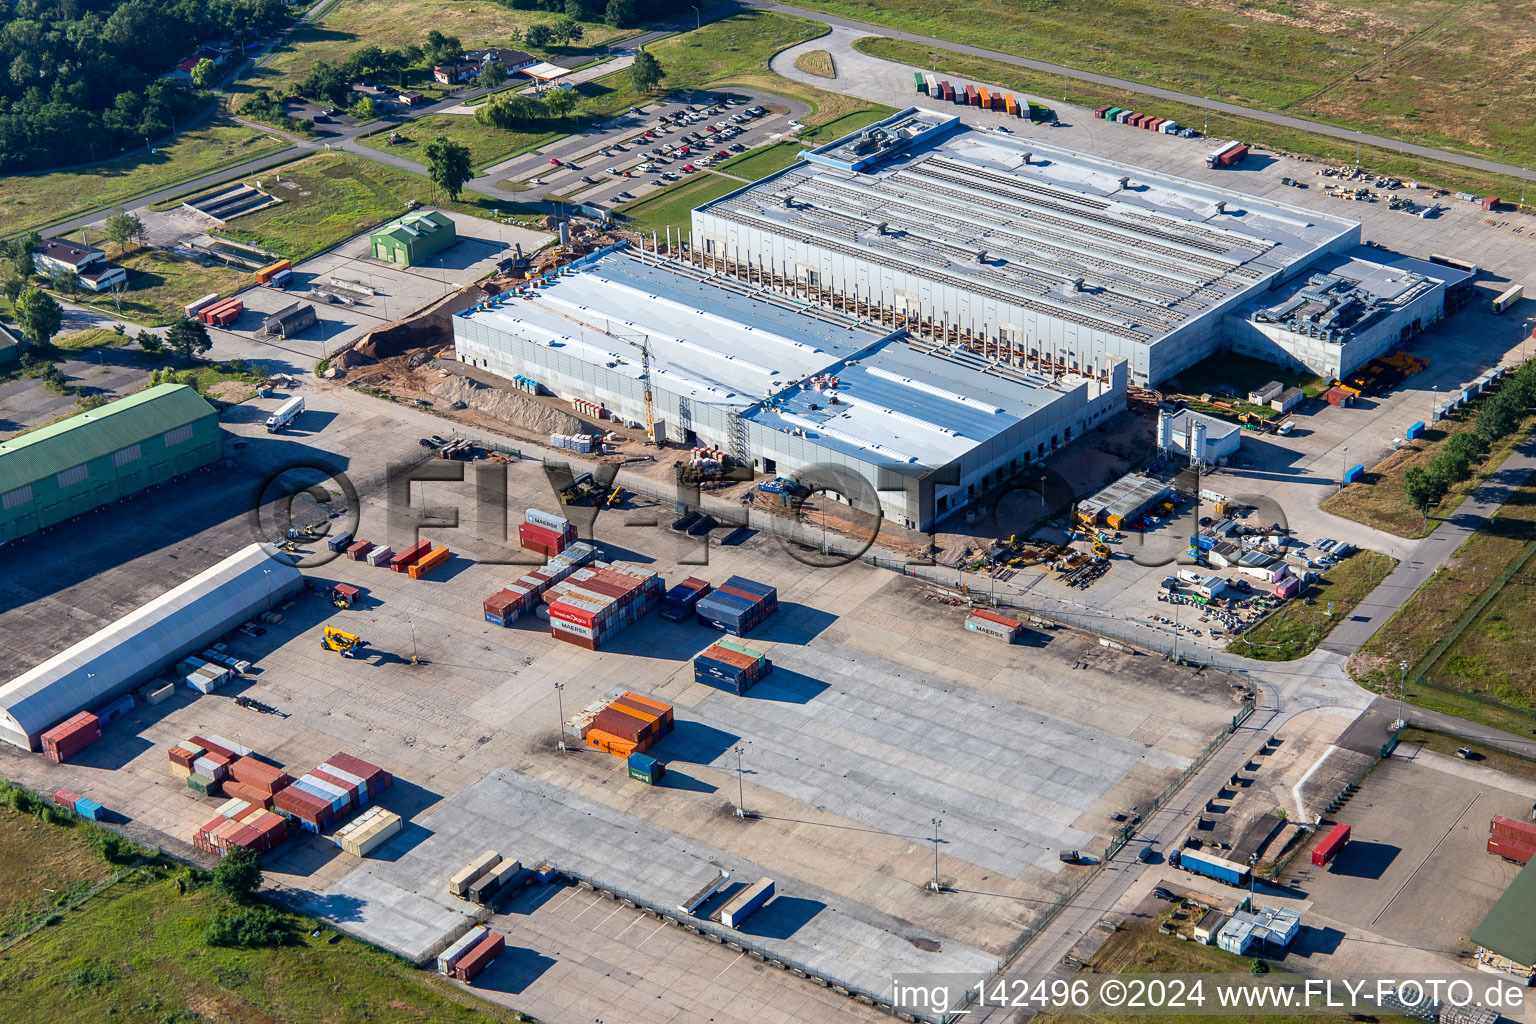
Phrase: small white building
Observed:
(1263, 567)
(1236, 936)
(58, 255)
(1189, 435)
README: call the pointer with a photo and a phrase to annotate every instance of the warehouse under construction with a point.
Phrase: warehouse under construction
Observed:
(781, 387)
(1032, 254)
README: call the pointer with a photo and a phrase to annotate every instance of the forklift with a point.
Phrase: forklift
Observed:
(344, 596)
(343, 643)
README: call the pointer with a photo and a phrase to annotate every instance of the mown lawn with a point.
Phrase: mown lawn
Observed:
(1297, 627)
(759, 163)
(1211, 117)
(32, 200)
(1379, 500)
(486, 144)
(42, 866)
(330, 197)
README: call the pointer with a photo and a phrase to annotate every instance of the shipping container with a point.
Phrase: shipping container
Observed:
(438, 556)
(266, 273)
(1336, 839)
(66, 798)
(462, 945)
(358, 550)
(88, 809)
(381, 556)
(503, 607)
(1212, 866)
(191, 309)
(459, 884)
(681, 600)
(71, 736)
(1227, 153)
(1354, 473)
(1511, 849)
(749, 900)
(994, 625)
(917, 79)
(410, 556)
(1100, 112)
(1508, 298)
(1509, 828)
(264, 777)
(340, 542)
(376, 778)
(608, 743)
(645, 768)
(1111, 113)
(478, 958)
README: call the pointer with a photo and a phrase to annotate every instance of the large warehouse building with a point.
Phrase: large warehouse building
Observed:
(52, 473)
(134, 648)
(1056, 256)
(781, 386)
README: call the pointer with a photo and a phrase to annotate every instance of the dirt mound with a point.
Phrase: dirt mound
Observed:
(511, 407)
(432, 327)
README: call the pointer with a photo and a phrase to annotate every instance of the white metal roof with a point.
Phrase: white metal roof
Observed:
(141, 643)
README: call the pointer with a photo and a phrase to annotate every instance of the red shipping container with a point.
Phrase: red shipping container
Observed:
(1332, 843)
(1509, 828)
(476, 960)
(302, 805)
(376, 777)
(410, 556)
(650, 704)
(66, 798)
(357, 552)
(265, 777)
(626, 726)
(501, 603)
(1511, 849)
(1001, 620)
(212, 748)
(250, 794)
(71, 736)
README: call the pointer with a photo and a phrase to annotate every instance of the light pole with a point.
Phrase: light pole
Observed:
(1207, 100)
(1432, 389)
(560, 709)
(696, 22)
(1402, 693)
(411, 624)
(741, 794)
(1357, 148)
(1344, 469)
(934, 885)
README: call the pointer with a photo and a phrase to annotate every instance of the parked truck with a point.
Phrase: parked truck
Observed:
(286, 414)
(1227, 155)
(1200, 862)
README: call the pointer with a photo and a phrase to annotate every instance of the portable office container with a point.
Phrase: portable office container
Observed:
(745, 903)
(459, 884)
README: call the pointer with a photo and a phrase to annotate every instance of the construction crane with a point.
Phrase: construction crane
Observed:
(645, 376)
(343, 643)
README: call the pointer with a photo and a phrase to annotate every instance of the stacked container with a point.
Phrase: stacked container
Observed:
(545, 541)
(572, 442)
(221, 313)
(255, 781)
(202, 675)
(431, 560)
(479, 957)
(410, 556)
(1511, 839)
(449, 958)
(645, 768)
(368, 831)
(243, 824)
(994, 625)
(71, 736)
(738, 606)
(599, 600)
(508, 605)
(358, 550)
(460, 883)
(380, 556)
(681, 600)
(335, 789)
(631, 723)
(732, 667)
(182, 756)
(494, 882)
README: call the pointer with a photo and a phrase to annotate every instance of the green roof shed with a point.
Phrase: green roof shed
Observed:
(66, 468)
(1510, 927)
(413, 239)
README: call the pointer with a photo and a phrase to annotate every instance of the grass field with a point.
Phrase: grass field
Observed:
(1259, 133)
(817, 62)
(1230, 377)
(756, 163)
(330, 197)
(486, 144)
(1485, 756)
(352, 24)
(136, 952)
(32, 200)
(1379, 500)
(160, 284)
(42, 866)
(84, 341)
(674, 206)
(1297, 627)
(1422, 67)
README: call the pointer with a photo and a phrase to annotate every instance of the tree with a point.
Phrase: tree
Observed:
(122, 228)
(39, 315)
(539, 35)
(203, 72)
(448, 165)
(364, 109)
(18, 251)
(1421, 487)
(65, 279)
(510, 111)
(238, 874)
(188, 337)
(440, 49)
(646, 73)
(492, 75)
(620, 13)
(567, 29)
(12, 284)
(559, 102)
(149, 341)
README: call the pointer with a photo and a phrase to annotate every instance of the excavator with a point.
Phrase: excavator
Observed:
(343, 643)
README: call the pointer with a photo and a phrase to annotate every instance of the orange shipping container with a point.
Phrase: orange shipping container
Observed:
(1009, 104)
(430, 561)
(661, 708)
(608, 744)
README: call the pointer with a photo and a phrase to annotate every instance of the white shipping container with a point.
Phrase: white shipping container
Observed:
(339, 797)
(547, 520)
(229, 745)
(233, 808)
(454, 953)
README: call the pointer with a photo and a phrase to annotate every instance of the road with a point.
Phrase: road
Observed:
(1285, 120)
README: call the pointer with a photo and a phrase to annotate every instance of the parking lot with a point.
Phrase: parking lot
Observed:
(627, 142)
(881, 715)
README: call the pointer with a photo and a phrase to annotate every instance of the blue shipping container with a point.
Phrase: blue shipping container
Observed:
(752, 587)
(88, 809)
(1353, 473)
(1211, 866)
(117, 709)
(341, 541)
(1416, 430)
(720, 675)
(679, 603)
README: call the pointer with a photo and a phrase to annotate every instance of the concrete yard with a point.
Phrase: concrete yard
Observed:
(882, 714)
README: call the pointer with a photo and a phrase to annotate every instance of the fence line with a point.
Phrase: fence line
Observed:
(1465, 619)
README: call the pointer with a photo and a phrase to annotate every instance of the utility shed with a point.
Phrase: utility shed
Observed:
(141, 643)
(291, 320)
(413, 239)
(70, 467)
(1506, 939)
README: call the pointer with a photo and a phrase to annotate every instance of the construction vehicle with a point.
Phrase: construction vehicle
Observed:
(343, 643)
(616, 497)
(1254, 421)
(344, 596)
